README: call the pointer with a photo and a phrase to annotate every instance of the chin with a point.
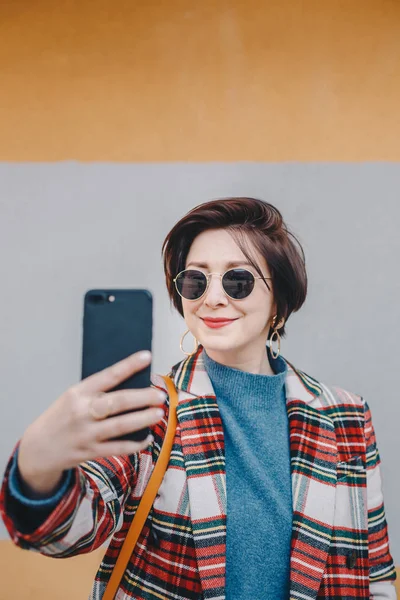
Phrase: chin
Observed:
(219, 344)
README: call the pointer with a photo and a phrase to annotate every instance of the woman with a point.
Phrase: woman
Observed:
(273, 487)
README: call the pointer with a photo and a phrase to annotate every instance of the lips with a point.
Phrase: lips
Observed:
(213, 320)
(217, 323)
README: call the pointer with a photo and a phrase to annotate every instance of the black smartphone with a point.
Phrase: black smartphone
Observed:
(117, 323)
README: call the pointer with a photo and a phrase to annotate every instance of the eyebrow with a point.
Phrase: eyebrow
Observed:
(228, 265)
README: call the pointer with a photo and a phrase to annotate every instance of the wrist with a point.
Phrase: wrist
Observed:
(38, 487)
(35, 482)
(25, 496)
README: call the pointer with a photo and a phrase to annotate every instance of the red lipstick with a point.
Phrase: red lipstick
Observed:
(217, 323)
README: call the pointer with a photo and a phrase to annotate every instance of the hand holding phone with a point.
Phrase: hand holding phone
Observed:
(66, 434)
(111, 410)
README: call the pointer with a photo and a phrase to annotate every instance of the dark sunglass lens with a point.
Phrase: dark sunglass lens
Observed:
(191, 284)
(238, 283)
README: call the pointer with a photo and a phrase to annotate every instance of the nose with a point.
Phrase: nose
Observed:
(215, 295)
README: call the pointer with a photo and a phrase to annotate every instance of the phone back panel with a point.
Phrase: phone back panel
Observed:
(114, 330)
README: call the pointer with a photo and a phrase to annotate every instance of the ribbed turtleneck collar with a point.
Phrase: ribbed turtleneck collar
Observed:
(247, 390)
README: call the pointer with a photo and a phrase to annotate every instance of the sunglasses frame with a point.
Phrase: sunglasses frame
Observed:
(221, 276)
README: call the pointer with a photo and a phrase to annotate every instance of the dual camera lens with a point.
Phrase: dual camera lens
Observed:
(101, 298)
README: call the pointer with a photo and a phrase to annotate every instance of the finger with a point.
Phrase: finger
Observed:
(120, 448)
(124, 400)
(99, 406)
(128, 423)
(111, 376)
(107, 404)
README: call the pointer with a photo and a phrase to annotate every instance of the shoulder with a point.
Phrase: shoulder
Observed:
(332, 397)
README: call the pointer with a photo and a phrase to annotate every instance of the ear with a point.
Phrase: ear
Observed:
(271, 320)
(274, 310)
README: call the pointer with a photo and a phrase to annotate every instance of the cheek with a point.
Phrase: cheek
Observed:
(258, 302)
(259, 311)
(189, 309)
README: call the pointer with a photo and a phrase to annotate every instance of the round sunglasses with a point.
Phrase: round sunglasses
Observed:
(192, 284)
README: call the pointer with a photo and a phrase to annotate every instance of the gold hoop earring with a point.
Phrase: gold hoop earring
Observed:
(195, 347)
(278, 337)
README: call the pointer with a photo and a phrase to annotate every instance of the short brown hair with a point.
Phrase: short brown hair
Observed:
(264, 226)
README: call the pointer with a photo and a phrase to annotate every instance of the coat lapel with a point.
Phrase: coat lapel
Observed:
(202, 439)
(313, 452)
(313, 464)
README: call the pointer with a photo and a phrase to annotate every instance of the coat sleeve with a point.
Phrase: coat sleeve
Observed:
(382, 572)
(84, 518)
(92, 509)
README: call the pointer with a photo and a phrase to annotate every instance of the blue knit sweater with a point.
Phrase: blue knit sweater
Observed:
(258, 480)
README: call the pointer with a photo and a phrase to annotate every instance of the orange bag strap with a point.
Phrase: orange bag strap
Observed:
(147, 499)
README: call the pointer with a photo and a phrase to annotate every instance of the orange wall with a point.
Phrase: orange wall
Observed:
(32, 576)
(125, 80)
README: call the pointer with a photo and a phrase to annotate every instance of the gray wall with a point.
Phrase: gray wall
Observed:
(68, 227)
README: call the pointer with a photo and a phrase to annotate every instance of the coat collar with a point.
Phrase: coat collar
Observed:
(313, 451)
(191, 377)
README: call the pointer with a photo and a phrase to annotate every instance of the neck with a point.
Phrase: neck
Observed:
(258, 364)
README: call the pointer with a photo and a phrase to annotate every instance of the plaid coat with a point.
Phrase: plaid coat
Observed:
(339, 543)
